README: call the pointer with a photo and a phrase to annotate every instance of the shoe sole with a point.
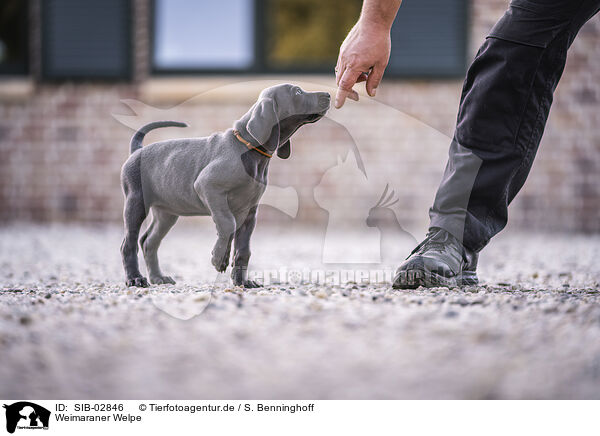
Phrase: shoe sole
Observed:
(412, 279)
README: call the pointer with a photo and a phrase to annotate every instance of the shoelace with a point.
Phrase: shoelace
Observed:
(431, 243)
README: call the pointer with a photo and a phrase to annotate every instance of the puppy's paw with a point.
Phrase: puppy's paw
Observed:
(140, 282)
(161, 280)
(238, 277)
(220, 259)
(220, 262)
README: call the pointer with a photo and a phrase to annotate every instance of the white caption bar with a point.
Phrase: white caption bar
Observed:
(300, 417)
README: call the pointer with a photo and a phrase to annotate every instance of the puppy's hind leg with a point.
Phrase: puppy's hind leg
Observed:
(133, 216)
(161, 223)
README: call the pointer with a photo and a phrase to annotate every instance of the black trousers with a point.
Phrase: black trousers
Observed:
(504, 106)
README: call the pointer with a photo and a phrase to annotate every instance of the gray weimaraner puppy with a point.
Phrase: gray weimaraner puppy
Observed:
(223, 175)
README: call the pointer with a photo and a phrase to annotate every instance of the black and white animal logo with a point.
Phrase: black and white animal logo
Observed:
(26, 415)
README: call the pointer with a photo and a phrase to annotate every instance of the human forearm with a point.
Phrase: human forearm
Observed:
(365, 52)
(379, 13)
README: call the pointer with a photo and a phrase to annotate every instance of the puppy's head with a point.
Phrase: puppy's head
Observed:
(280, 111)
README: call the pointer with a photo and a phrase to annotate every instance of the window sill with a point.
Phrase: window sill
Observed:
(16, 88)
(223, 89)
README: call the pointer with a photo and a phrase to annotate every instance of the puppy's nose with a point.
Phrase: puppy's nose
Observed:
(324, 101)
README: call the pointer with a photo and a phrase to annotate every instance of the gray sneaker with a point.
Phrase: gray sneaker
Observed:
(440, 260)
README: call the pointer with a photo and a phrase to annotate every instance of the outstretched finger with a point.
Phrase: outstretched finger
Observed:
(341, 95)
(339, 70)
(345, 85)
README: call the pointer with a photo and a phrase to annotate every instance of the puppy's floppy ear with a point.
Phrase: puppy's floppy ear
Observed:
(262, 120)
(284, 150)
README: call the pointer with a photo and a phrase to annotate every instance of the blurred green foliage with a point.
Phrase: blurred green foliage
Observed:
(305, 34)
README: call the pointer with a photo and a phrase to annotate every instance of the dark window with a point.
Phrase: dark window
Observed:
(429, 38)
(276, 36)
(13, 37)
(86, 39)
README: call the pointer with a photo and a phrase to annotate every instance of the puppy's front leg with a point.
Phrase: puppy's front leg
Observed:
(215, 200)
(241, 255)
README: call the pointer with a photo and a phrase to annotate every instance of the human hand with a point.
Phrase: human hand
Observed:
(364, 54)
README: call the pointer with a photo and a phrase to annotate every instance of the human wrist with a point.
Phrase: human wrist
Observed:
(373, 25)
(379, 14)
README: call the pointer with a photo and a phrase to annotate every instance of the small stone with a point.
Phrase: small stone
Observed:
(321, 294)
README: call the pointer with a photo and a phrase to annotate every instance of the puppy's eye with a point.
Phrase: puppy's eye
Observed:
(298, 92)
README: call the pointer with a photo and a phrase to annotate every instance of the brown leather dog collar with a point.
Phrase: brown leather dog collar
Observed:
(250, 146)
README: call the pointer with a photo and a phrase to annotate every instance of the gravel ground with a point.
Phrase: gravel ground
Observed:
(69, 328)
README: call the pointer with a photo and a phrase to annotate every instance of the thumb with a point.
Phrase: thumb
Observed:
(374, 78)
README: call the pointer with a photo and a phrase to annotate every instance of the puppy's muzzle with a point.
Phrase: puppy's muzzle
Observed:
(324, 102)
(322, 106)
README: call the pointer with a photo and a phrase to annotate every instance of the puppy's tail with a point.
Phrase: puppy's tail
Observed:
(138, 138)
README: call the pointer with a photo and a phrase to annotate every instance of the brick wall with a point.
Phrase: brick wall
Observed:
(61, 148)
